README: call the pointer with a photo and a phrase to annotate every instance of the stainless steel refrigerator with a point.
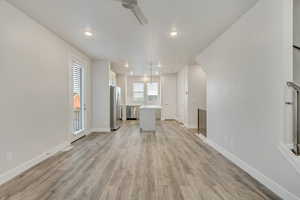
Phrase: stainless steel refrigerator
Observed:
(115, 108)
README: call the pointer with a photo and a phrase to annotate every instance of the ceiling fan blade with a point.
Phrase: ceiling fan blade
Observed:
(139, 15)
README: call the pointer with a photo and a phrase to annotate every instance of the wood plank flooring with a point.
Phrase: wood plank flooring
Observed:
(171, 164)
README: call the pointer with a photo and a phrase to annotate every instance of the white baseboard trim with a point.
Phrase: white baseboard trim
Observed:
(100, 130)
(89, 131)
(288, 154)
(269, 183)
(29, 164)
(203, 138)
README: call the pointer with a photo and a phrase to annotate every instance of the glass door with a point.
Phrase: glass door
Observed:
(78, 97)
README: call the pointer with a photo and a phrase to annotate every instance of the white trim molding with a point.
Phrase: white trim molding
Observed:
(269, 183)
(29, 164)
(288, 154)
(202, 137)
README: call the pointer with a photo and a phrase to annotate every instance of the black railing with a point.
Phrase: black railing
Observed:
(296, 47)
(77, 121)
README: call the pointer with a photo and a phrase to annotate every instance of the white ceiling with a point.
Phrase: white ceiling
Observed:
(120, 38)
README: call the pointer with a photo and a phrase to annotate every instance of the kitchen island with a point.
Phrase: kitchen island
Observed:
(148, 117)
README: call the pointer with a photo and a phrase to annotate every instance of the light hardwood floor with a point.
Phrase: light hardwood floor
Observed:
(171, 164)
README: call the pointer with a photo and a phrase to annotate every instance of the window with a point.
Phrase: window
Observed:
(145, 93)
(138, 92)
(152, 89)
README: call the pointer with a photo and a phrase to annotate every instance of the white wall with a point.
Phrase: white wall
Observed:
(196, 94)
(122, 83)
(182, 96)
(296, 25)
(34, 84)
(296, 21)
(247, 69)
(296, 70)
(101, 95)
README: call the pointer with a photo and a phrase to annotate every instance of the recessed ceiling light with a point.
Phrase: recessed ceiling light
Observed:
(156, 73)
(126, 65)
(88, 33)
(131, 73)
(159, 65)
(173, 34)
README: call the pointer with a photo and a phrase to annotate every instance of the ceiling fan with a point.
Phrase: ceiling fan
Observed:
(133, 6)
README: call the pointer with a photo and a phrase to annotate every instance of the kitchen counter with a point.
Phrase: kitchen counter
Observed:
(150, 107)
(148, 117)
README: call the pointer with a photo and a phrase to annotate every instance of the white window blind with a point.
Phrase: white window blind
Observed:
(76, 73)
(138, 92)
(152, 89)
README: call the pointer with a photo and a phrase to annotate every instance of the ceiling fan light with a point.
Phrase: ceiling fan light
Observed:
(88, 33)
(133, 6)
(174, 34)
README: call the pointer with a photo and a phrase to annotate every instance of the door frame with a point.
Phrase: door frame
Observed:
(72, 136)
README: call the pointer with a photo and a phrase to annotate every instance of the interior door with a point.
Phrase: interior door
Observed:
(169, 96)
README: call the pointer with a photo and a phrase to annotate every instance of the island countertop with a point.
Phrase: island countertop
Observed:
(150, 107)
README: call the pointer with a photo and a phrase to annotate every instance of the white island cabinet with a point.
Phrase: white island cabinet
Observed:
(148, 117)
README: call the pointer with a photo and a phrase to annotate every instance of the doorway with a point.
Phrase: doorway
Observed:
(78, 99)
